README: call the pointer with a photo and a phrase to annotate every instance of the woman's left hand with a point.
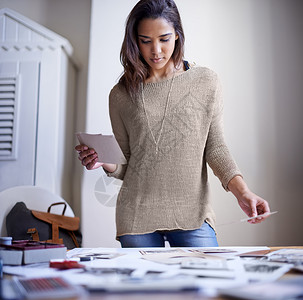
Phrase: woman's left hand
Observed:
(251, 204)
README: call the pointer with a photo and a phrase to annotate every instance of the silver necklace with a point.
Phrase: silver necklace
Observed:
(156, 141)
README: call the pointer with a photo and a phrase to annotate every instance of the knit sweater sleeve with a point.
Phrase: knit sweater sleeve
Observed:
(119, 131)
(217, 153)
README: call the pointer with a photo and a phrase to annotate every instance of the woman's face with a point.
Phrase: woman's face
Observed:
(156, 41)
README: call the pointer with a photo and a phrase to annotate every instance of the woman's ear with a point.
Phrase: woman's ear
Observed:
(177, 36)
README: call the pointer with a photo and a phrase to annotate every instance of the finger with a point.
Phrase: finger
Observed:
(81, 147)
(87, 153)
(92, 164)
(263, 209)
(259, 220)
(253, 210)
(89, 159)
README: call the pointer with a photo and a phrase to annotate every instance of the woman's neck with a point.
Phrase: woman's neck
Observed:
(165, 73)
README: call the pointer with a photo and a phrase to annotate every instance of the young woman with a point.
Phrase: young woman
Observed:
(166, 115)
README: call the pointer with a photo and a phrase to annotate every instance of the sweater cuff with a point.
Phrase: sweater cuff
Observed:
(115, 173)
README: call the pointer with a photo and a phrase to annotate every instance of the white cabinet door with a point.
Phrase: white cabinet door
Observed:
(19, 87)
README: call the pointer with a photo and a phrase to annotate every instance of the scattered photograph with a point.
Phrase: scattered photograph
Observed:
(265, 271)
(208, 264)
(178, 257)
(146, 252)
(293, 256)
(109, 271)
(213, 250)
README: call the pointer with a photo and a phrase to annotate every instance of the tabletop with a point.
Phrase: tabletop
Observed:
(129, 258)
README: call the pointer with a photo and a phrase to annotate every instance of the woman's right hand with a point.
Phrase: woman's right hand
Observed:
(88, 157)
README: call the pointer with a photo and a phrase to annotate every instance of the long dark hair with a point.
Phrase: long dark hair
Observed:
(136, 70)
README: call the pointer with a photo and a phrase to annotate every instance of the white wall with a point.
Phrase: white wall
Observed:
(70, 19)
(107, 28)
(255, 47)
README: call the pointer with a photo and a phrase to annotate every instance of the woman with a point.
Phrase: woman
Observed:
(166, 115)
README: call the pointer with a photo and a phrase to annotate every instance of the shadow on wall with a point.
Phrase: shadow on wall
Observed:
(280, 107)
(288, 91)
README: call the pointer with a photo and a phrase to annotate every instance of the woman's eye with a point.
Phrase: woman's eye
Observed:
(145, 42)
(165, 40)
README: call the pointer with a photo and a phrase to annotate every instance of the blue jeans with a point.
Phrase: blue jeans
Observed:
(205, 236)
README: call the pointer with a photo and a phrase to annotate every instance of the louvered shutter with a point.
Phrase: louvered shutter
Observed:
(8, 117)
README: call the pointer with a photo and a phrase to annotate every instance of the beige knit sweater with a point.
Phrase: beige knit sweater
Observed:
(168, 189)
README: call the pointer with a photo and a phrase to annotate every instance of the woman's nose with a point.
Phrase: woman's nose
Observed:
(156, 48)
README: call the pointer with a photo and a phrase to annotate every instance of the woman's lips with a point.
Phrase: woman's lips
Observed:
(156, 60)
